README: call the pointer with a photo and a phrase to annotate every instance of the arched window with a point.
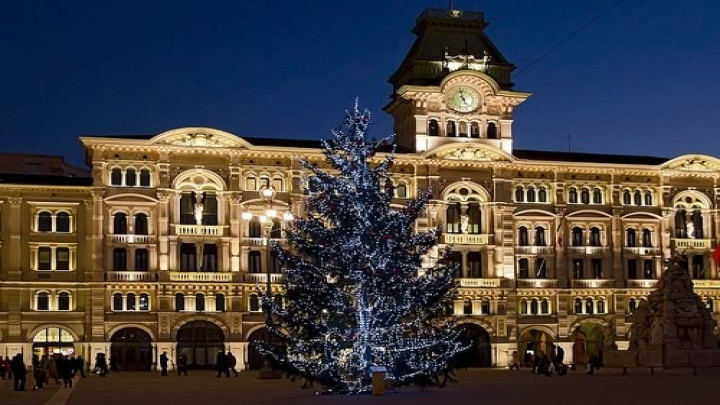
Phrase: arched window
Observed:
(540, 236)
(116, 177)
(646, 238)
(199, 302)
(523, 268)
(251, 183)
(600, 306)
(254, 228)
(632, 266)
(542, 195)
(44, 222)
(637, 197)
(145, 178)
(578, 306)
(401, 191)
(120, 224)
(531, 194)
(141, 224)
(680, 224)
(572, 195)
(523, 307)
(630, 238)
(485, 306)
(64, 301)
(254, 303)
(130, 177)
(492, 130)
(697, 221)
(42, 301)
(597, 196)
(595, 237)
(474, 218)
(144, 302)
(130, 302)
(522, 236)
(119, 259)
(648, 198)
(467, 307)
(463, 129)
(534, 306)
(62, 223)
(519, 194)
(585, 196)
(220, 303)
(545, 306)
(474, 130)
(632, 305)
(627, 197)
(589, 306)
(578, 269)
(452, 214)
(179, 302)
(278, 184)
(450, 128)
(433, 128)
(117, 302)
(577, 236)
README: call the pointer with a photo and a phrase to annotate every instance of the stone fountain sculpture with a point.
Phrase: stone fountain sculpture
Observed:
(673, 327)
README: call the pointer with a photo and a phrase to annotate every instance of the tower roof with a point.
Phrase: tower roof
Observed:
(444, 36)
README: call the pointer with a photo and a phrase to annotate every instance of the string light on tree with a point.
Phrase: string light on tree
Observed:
(355, 293)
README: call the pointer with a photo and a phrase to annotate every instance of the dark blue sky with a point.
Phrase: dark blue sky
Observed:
(643, 79)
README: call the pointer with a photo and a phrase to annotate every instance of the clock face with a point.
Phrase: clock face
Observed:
(463, 99)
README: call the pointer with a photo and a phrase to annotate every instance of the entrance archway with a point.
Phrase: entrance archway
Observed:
(131, 348)
(255, 359)
(53, 340)
(479, 352)
(200, 341)
(533, 342)
(588, 340)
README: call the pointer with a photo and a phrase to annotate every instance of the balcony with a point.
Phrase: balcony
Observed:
(533, 250)
(587, 250)
(133, 238)
(479, 282)
(130, 276)
(466, 239)
(199, 230)
(641, 283)
(593, 283)
(537, 283)
(200, 277)
(259, 278)
(696, 244)
(642, 251)
(706, 283)
(261, 241)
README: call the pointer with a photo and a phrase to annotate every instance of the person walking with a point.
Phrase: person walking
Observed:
(17, 366)
(101, 364)
(80, 366)
(182, 365)
(7, 369)
(222, 364)
(66, 372)
(515, 364)
(163, 364)
(232, 361)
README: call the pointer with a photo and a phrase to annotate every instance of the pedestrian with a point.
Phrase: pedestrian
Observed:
(73, 365)
(7, 368)
(39, 375)
(515, 362)
(536, 363)
(80, 365)
(163, 364)
(58, 368)
(101, 364)
(17, 366)
(232, 361)
(66, 371)
(221, 364)
(182, 365)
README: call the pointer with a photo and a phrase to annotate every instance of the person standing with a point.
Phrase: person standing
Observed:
(66, 371)
(222, 364)
(17, 366)
(163, 364)
(515, 361)
(232, 361)
(80, 365)
(101, 364)
(182, 365)
(7, 369)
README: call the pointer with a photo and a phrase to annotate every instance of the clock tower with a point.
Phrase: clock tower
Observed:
(453, 86)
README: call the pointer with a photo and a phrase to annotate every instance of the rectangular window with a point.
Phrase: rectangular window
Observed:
(188, 260)
(597, 270)
(648, 269)
(210, 258)
(187, 209)
(632, 269)
(62, 258)
(119, 259)
(275, 265)
(456, 262)
(44, 258)
(474, 260)
(254, 262)
(210, 209)
(141, 260)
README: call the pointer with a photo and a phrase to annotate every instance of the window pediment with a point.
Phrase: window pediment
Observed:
(201, 138)
(476, 153)
(694, 163)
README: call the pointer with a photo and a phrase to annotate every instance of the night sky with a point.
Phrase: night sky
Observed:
(643, 79)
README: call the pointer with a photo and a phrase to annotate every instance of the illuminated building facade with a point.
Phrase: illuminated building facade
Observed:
(161, 245)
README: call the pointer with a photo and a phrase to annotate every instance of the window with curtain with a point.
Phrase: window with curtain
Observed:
(453, 218)
(474, 218)
(62, 258)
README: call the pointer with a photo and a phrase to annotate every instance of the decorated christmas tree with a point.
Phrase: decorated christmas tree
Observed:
(357, 295)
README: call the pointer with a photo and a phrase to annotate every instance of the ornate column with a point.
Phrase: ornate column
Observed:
(163, 225)
(235, 230)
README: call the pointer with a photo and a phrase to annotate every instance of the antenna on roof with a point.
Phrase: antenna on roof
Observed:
(569, 143)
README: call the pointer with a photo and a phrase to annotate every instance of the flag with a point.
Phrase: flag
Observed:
(716, 255)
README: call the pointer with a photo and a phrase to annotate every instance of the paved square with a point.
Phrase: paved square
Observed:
(474, 387)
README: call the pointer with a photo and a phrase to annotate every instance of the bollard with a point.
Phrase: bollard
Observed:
(378, 379)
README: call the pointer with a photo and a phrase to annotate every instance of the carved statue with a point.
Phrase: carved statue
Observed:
(464, 223)
(198, 208)
(690, 230)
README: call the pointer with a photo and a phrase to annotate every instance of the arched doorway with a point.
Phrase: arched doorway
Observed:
(200, 341)
(53, 340)
(588, 340)
(131, 348)
(255, 359)
(534, 342)
(479, 352)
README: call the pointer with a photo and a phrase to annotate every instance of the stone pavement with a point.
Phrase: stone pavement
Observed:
(28, 397)
(483, 387)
